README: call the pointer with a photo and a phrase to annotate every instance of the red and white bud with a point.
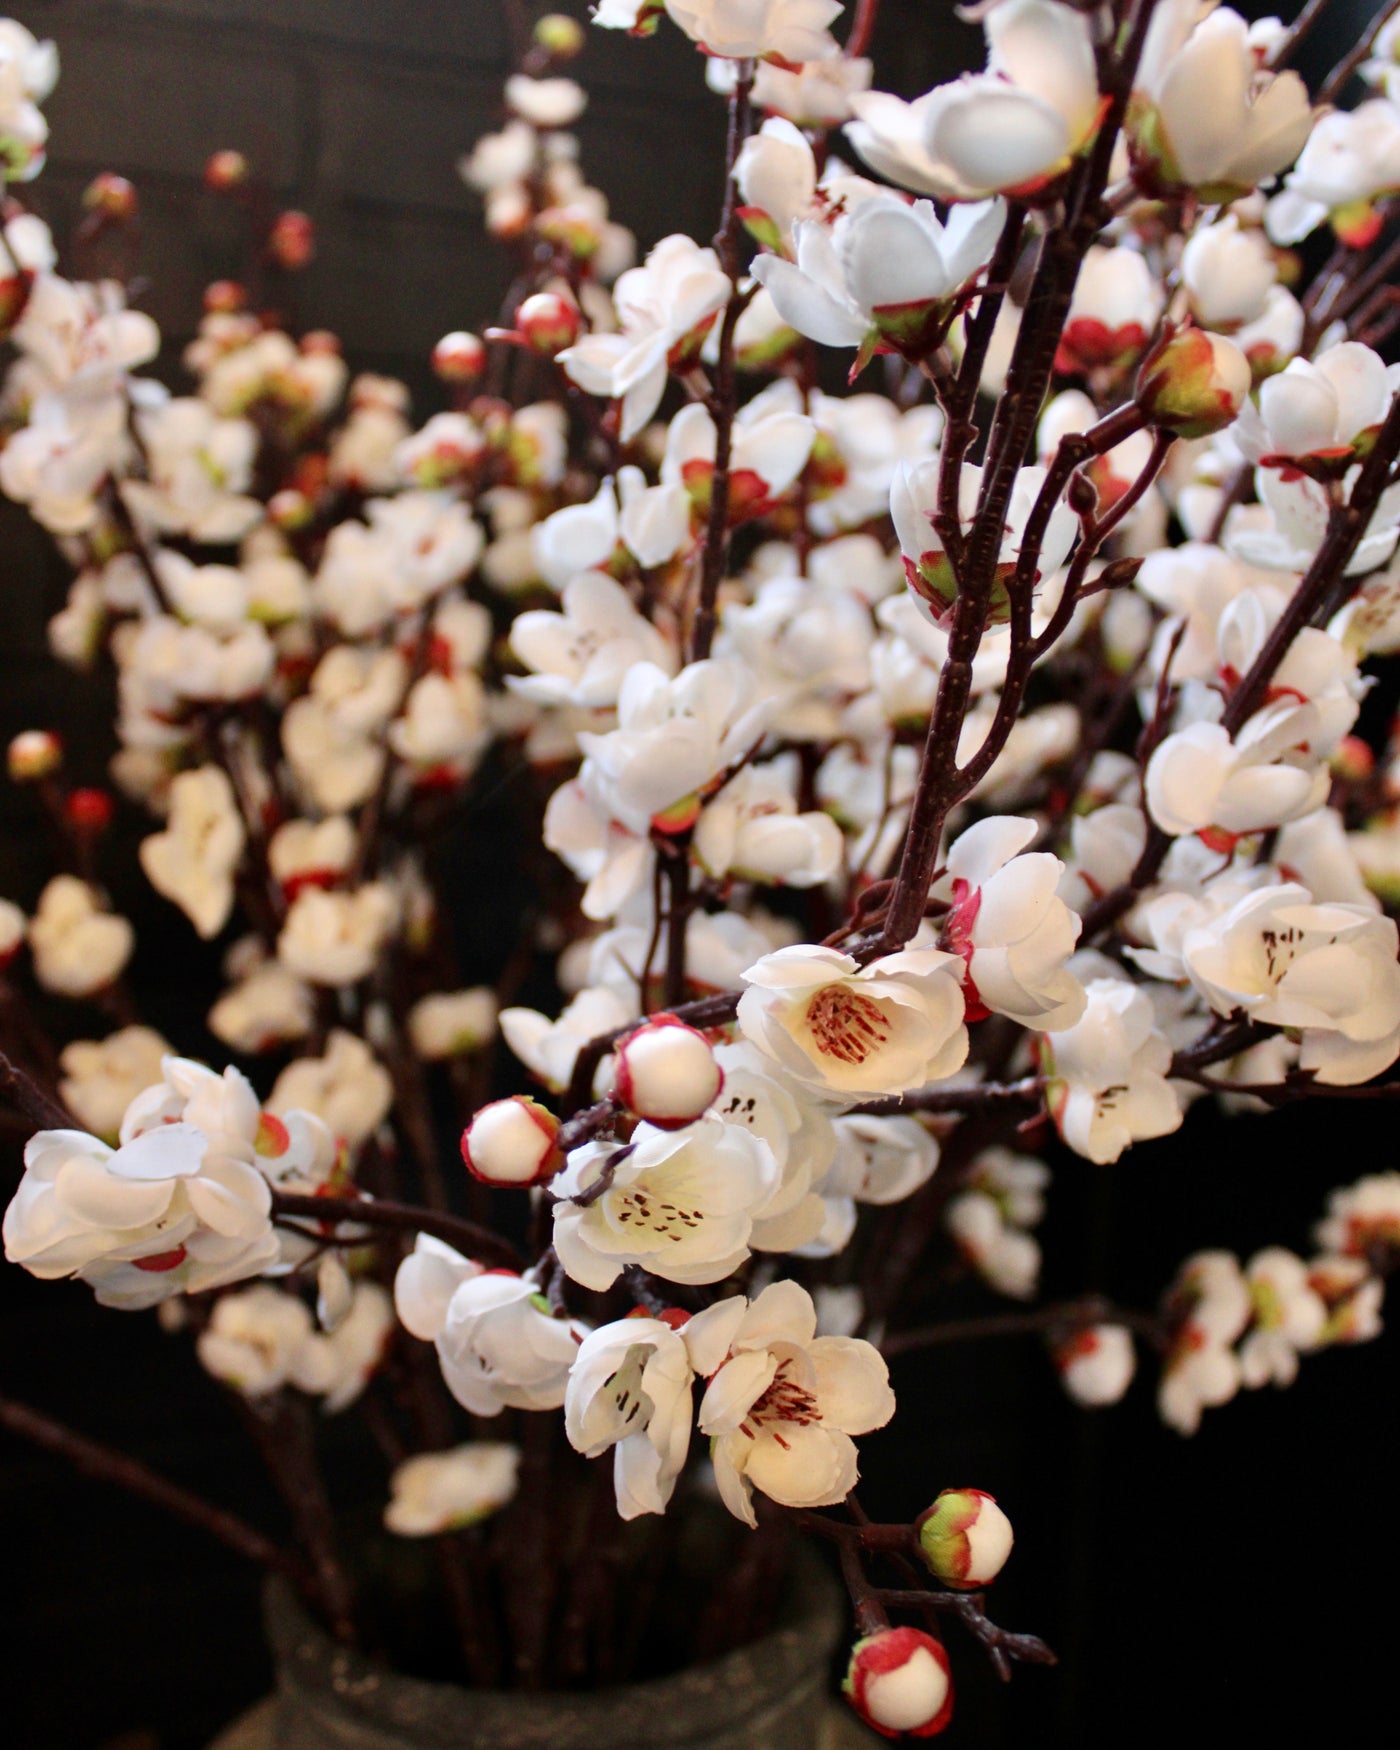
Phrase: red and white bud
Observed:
(548, 322)
(89, 810)
(899, 1683)
(965, 1538)
(112, 196)
(512, 1142)
(459, 357)
(666, 1073)
(225, 297)
(225, 170)
(292, 240)
(1096, 1365)
(1193, 383)
(34, 754)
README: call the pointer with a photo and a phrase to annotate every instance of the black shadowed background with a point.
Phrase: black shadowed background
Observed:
(1195, 1590)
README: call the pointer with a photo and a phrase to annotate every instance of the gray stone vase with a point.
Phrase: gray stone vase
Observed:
(772, 1695)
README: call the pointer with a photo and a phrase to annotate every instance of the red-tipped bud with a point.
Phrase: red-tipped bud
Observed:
(112, 196)
(512, 1142)
(561, 36)
(89, 811)
(1193, 383)
(225, 170)
(459, 357)
(899, 1683)
(666, 1073)
(965, 1538)
(225, 297)
(1353, 760)
(548, 322)
(34, 754)
(292, 240)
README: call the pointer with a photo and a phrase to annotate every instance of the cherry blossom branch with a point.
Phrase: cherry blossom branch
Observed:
(1065, 1316)
(976, 1097)
(1002, 1645)
(479, 1243)
(94, 1459)
(1298, 33)
(1337, 80)
(862, 28)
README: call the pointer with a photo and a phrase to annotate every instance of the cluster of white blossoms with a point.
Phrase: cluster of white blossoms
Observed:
(905, 789)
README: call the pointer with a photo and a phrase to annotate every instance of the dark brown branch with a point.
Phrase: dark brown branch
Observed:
(478, 1243)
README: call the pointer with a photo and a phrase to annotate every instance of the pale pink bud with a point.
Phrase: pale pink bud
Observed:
(965, 1538)
(33, 754)
(511, 1142)
(666, 1073)
(459, 357)
(898, 1682)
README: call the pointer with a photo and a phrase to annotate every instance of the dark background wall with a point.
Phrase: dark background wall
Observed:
(1196, 1590)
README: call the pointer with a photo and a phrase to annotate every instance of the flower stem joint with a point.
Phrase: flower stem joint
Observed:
(899, 1683)
(964, 1538)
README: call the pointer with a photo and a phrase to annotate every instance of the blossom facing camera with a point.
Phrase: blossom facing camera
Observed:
(965, 1538)
(899, 1683)
(511, 1142)
(666, 1073)
(1193, 383)
(548, 322)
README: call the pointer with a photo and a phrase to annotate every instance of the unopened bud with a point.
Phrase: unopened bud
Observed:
(459, 357)
(548, 322)
(898, 1681)
(34, 754)
(512, 1142)
(666, 1073)
(292, 240)
(1193, 383)
(112, 196)
(1353, 760)
(321, 341)
(964, 1538)
(561, 35)
(89, 810)
(290, 510)
(1096, 1365)
(225, 297)
(225, 170)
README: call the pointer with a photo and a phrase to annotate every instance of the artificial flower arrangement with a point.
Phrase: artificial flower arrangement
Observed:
(932, 777)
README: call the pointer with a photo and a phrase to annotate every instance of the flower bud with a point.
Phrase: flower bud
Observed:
(666, 1073)
(33, 754)
(112, 196)
(511, 1142)
(1193, 383)
(89, 811)
(225, 170)
(225, 297)
(290, 510)
(459, 357)
(1353, 762)
(964, 1538)
(561, 35)
(292, 240)
(898, 1681)
(320, 341)
(548, 322)
(1096, 1365)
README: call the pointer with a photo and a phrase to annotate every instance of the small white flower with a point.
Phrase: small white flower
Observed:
(1289, 1318)
(582, 655)
(449, 1023)
(78, 947)
(102, 1077)
(435, 1492)
(1096, 1365)
(1106, 1074)
(630, 1389)
(194, 860)
(347, 1088)
(335, 938)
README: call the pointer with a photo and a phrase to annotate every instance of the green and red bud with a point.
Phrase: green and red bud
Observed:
(1193, 383)
(964, 1538)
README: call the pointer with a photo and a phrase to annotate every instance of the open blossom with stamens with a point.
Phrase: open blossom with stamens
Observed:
(435, 1492)
(848, 1033)
(1106, 1085)
(681, 1203)
(1011, 927)
(630, 1389)
(1011, 130)
(497, 1342)
(782, 1403)
(582, 655)
(1329, 971)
